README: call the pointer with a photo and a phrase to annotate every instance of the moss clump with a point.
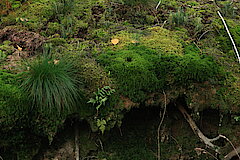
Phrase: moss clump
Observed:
(162, 40)
(92, 74)
(187, 69)
(6, 49)
(157, 38)
(133, 69)
(139, 70)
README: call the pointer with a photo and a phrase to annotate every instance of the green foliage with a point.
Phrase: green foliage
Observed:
(140, 2)
(237, 118)
(223, 38)
(6, 49)
(191, 49)
(101, 96)
(101, 124)
(62, 8)
(228, 10)
(178, 18)
(187, 69)
(139, 70)
(51, 85)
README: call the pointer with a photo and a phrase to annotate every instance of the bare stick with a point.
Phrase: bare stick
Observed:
(234, 149)
(159, 126)
(203, 35)
(158, 4)
(229, 34)
(203, 151)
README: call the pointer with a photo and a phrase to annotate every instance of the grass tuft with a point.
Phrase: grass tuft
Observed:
(51, 85)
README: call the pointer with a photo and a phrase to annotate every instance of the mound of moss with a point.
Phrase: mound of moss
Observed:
(139, 70)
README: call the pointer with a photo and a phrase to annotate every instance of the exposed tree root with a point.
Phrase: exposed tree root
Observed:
(206, 140)
(197, 131)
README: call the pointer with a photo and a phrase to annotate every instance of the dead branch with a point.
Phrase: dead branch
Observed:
(197, 131)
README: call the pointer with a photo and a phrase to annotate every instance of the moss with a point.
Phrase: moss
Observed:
(132, 69)
(7, 48)
(162, 40)
(53, 28)
(57, 41)
(223, 38)
(92, 75)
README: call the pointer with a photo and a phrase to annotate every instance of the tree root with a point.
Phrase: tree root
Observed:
(207, 141)
(197, 131)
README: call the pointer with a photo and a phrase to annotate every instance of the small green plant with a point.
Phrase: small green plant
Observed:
(237, 118)
(62, 7)
(101, 124)
(51, 85)
(228, 10)
(101, 96)
(178, 18)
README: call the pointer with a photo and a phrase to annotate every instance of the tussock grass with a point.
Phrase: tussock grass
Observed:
(51, 85)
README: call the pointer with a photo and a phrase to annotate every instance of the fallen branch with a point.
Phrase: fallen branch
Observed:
(197, 131)
(229, 34)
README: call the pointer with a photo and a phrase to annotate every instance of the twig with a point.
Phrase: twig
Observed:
(203, 151)
(229, 34)
(231, 145)
(100, 142)
(158, 4)
(164, 23)
(203, 34)
(180, 147)
(159, 126)
(1, 158)
(197, 47)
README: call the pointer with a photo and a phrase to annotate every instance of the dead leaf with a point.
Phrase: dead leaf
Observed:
(19, 48)
(115, 41)
(55, 61)
(133, 41)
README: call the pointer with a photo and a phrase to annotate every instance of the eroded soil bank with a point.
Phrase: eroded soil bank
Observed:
(136, 139)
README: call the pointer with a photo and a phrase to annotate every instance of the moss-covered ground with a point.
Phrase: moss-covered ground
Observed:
(108, 57)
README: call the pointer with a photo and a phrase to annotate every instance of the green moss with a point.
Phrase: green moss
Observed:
(223, 38)
(6, 48)
(162, 40)
(132, 69)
